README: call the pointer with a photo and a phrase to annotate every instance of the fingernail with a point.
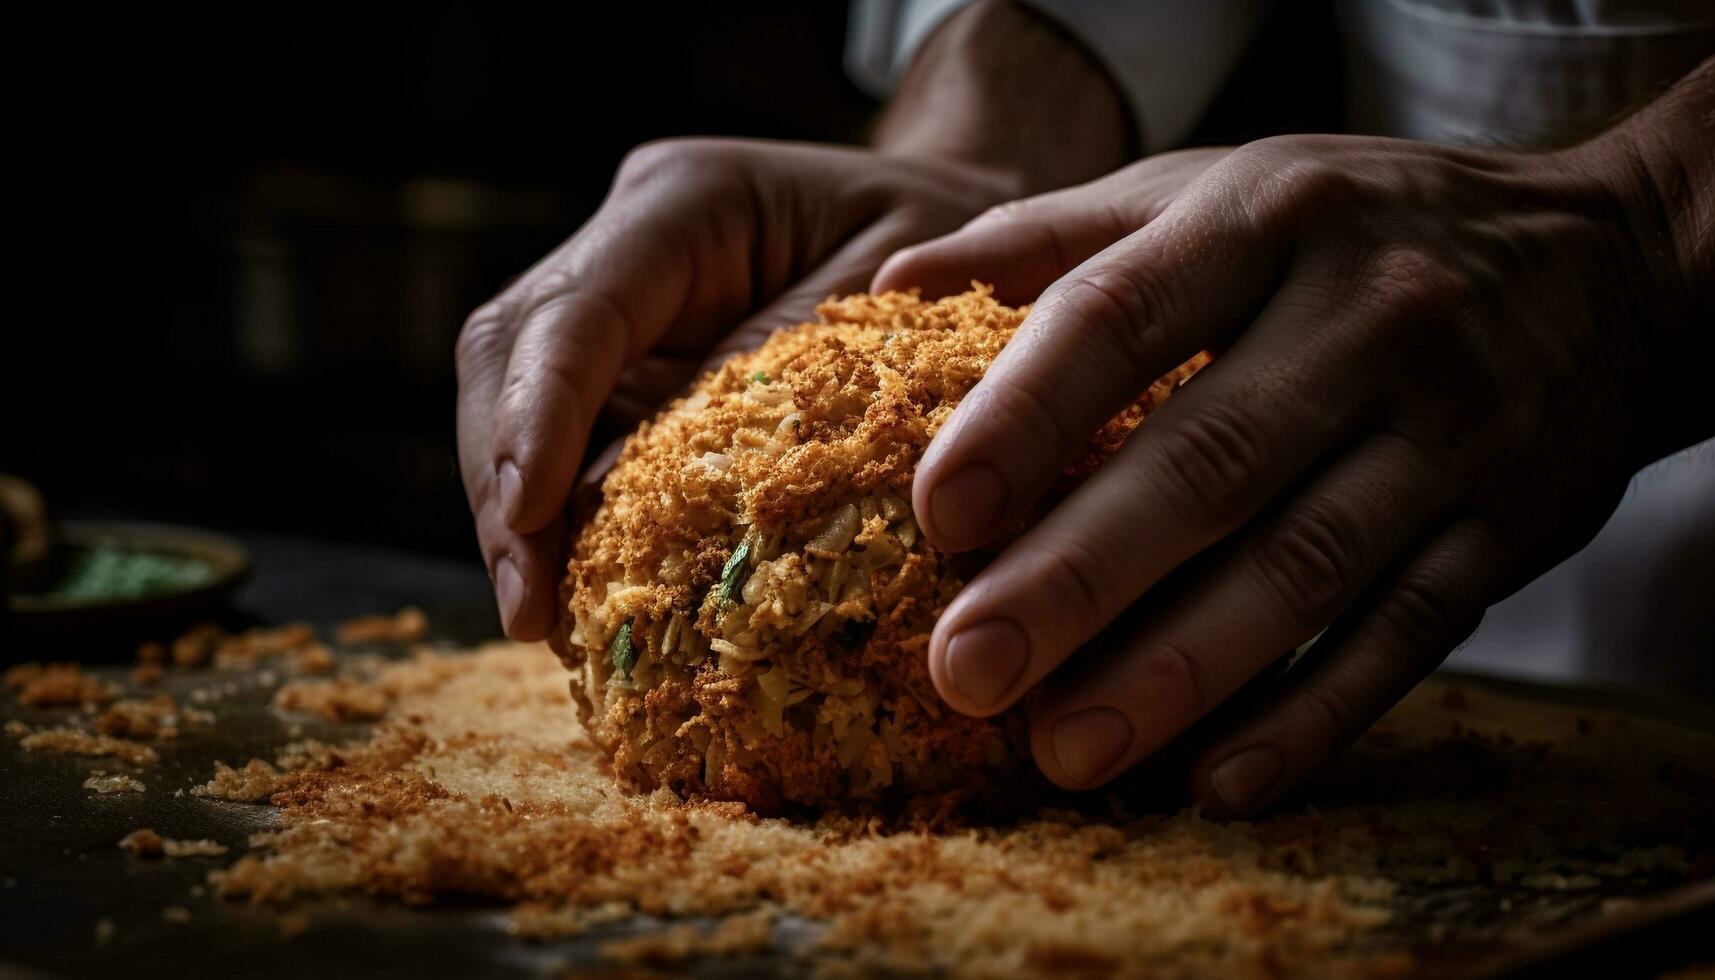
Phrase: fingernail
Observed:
(984, 661)
(1088, 743)
(511, 489)
(1245, 778)
(966, 505)
(508, 591)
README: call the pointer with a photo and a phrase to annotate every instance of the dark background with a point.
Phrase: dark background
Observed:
(257, 239)
(249, 240)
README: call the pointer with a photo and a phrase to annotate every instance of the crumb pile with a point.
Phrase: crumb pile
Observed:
(476, 786)
(749, 606)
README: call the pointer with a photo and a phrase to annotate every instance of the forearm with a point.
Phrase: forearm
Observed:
(1000, 87)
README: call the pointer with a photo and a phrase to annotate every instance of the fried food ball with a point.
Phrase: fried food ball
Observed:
(748, 609)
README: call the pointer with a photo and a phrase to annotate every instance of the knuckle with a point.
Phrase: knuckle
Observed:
(1006, 212)
(1173, 668)
(1408, 282)
(484, 338)
(1023, 412)
(653, 159)
(1301, 173)
(646, 159)
(1425, 612)
(1210, 463)
(1079, 592)
(1307, 565)
(1120, 313)
(1331, 710)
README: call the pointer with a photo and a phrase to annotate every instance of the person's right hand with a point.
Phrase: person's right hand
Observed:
(702, 248)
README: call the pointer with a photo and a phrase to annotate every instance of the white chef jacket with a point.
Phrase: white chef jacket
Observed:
(1636, 605)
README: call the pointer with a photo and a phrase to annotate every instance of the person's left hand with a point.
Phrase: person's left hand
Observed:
(1439, 368)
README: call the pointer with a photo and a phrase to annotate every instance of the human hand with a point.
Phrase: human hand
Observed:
(1439, 368)
(702, 247)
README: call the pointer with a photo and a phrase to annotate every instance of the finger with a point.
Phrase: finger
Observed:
(1201, 466)
(526, 570)
(1271, 590)
(1022, 246)
(1188, 281)
(480, 361)
(609, 296)
(1393, 641)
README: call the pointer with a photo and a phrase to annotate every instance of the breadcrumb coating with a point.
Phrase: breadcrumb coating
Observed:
(748, 610)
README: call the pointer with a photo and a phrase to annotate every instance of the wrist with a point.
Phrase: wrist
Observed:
(1659, 165)
(999, 88)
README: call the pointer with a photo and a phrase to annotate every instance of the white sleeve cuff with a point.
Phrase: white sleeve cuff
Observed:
(1170, 58)
(884, 35)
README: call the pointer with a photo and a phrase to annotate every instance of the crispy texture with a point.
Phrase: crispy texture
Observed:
(477, 786)
(56, 685)
(755, 545)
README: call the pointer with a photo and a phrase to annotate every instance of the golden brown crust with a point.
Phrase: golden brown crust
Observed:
(755, 546)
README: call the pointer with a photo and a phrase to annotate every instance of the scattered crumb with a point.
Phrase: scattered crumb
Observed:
(151, 654)
(293, 924)
(142, 842)
(104, 783)
(145, 843)
(202, 847)
(256, 782)
(16, 728)
(207, 643)
(70, 741)
(104, 931)
(341, 699)
(176, 914)
(57, 685)
(156, 717)
(196, 647)
(408, 625)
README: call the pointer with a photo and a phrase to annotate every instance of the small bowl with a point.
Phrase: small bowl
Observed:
(50, 613)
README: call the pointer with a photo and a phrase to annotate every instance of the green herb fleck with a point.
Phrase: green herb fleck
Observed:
(621, 651)
(854, 633)
(734, 572)
(761, 376)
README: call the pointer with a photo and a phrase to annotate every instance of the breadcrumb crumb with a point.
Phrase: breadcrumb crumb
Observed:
(70, 741)
(102, 782)
(408, 625)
